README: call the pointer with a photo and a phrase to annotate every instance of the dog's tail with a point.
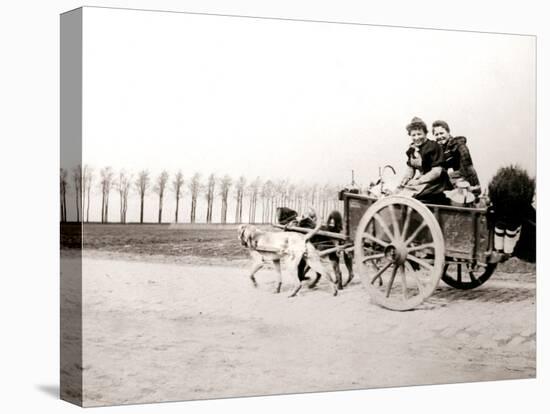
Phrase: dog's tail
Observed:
(314, 231)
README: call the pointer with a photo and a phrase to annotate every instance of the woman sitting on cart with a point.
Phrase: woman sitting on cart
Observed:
(426, 179)
(458, 162)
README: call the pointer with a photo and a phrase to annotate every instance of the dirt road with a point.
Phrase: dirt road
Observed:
(155, 331)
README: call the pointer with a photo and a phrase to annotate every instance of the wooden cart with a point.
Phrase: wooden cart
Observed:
(403, 247)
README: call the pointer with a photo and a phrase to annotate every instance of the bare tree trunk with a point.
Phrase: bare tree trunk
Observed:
(107, 208)
(121, 210)
(64, 206)
(237, 208)
(142, 202)
(103, 207)
(225, 194)
(193, 206)
(241, 208)
(254, 208)
(160, 208)
(177, 205)
(77, 206)
(125, 206)
(88, 206)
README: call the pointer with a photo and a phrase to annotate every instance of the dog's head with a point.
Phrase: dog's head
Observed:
(246, 234)
(335, 223)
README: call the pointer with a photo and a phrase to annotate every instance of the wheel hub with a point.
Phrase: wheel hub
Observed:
(396, 252)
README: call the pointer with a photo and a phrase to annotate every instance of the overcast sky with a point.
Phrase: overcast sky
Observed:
(299, 100)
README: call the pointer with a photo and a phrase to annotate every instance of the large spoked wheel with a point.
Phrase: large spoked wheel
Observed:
(465, 276)
(400, 252)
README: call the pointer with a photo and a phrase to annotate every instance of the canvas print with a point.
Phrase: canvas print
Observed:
(254, 206)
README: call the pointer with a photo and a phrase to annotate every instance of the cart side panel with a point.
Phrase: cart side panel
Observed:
(465, 230)
(466, 233)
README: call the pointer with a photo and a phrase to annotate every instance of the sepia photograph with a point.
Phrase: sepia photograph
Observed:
(260, 206)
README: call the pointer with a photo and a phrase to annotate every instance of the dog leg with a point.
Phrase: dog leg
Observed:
(335, 286)
(315, 281)
(293, 265)
(315, 261)
(255, 267)
(302, 270)
(349, 265)
(332, 283)
(297, 288)
(337, 273)
(277, 265)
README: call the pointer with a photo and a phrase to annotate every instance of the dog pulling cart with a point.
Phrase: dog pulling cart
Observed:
(403, 247)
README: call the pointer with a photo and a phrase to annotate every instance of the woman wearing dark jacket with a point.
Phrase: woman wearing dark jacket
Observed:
(425, 164)
(457, 159)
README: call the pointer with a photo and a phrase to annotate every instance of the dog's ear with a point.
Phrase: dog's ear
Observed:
(241, 231)
(251, 238)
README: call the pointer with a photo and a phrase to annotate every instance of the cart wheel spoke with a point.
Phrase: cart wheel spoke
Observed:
(415, 233)
(373, 257)
(459, 273)
(421, 247)
(395, 225)
(383, 226)
(392, 278)
(421, 262)
(379, 273)
(375, 239)
(403, 281)
(407, 222)
(473, 278)
(418, 282)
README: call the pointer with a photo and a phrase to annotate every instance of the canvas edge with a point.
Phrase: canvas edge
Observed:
(71, 355)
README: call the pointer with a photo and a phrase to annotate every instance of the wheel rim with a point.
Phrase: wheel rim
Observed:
(399, 244)
(463, 276)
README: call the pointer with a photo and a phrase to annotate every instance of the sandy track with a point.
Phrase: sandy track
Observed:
(157, 331)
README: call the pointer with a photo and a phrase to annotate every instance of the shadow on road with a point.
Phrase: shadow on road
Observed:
(486, 294)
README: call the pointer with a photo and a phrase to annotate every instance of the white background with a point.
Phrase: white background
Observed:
(29, 130)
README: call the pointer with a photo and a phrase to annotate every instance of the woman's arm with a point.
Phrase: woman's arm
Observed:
(430, 176)
(408, 175)
(467, 169)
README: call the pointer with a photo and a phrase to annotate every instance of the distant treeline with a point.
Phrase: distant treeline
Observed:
(260, 197)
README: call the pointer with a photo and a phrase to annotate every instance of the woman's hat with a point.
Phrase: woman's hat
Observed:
(417, 123)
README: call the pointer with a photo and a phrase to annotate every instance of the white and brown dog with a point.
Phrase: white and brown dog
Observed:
(283, 246)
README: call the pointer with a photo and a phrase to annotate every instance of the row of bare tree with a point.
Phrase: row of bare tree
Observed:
(267, 194)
